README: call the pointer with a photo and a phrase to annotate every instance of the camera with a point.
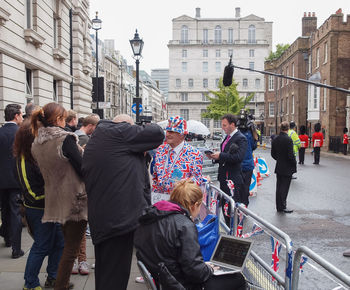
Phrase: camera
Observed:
(245, 122)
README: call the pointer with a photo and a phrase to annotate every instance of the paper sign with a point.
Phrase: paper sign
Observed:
(155, 197)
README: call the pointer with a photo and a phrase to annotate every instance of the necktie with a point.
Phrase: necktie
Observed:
(226, 141)
(170, 159)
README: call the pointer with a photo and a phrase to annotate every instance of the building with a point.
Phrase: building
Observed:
(45, 54)
(199, 51)
(161, 76)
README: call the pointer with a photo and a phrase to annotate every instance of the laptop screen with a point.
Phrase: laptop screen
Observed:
(231, 251)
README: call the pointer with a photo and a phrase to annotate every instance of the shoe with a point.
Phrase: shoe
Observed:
(347, 253)
(83, 268)
(93, 266)
(75, 269)
(287, 210)
(279, 210)
(50, 283)
(139, 280)
(36, 288)
(16, 255)
(294, 177)
(299, 162)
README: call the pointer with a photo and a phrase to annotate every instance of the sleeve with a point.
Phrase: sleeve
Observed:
(296, 140)
(321, 138)
(237, 156)
(190, 257)
(70, 150)
(196, 169)
(290, 149)
(155, 182)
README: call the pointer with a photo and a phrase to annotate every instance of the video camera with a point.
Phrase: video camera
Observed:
(246, 122)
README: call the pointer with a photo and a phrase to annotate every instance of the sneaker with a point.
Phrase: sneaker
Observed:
(93, 266)
(75, 269)
(83, 268)
(36, 288)
(139, 280)
(50, 283)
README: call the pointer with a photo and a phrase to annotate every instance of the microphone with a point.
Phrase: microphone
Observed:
(228, 74)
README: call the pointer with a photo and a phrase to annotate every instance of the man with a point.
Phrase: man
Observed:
(29, 108)
(282, 152)
(10, 190)
(88, 126)
(114, 175)
(176, 159)
(233, 150)
(71, 121)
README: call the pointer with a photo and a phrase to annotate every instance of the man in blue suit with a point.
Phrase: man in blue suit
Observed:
(10, 191)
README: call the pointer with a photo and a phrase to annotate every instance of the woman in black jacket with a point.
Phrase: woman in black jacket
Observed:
(167, 234)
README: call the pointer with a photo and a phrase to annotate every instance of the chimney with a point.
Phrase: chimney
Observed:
(238, 12)
(309, 23)
(198, 13)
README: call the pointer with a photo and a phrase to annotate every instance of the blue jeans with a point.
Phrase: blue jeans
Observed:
(48, 241)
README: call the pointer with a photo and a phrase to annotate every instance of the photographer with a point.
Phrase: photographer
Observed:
(247, 128)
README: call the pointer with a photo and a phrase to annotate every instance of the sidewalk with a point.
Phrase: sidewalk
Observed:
(12, 270)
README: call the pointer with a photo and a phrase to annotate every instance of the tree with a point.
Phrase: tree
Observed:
(280, 49)
(226, 100)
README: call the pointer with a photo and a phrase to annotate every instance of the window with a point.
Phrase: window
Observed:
(292, 112)
(257, 83)
(178, 83)
(287, 70)
(55, 32)
(29, 84)
(251, 34)
(281, 80)
(217, 83)
(184, 97)
(218, 53)
(245, 83)
(309, 64)
(218, 34)
(316, 97)
(325, 59)
(251, 52)
(271, 83)
(217, 123)
(205, 53)
(218, 66)
(184, 113)
(29, 14)
(184, 53)
(293, 70)
(205, 121)
(54, 91)
(205, 83)
(230, 35)
(287, 105)
(324, 97)
(205, 97)
(281, 109)
(230, 52)
(205, 66)
(205, 35)
(271, 109)
(190, 83)
(184, 34)
(251, 65)
(317, 57)
(184, 66)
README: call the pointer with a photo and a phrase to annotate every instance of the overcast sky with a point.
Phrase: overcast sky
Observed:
(153, 19)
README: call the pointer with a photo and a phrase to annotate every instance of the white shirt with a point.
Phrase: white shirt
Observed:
(177, 151)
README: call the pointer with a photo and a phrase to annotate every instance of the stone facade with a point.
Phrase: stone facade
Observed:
(35, 60)
(198, 53)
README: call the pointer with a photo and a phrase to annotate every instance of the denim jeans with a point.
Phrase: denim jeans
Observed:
(48, 241)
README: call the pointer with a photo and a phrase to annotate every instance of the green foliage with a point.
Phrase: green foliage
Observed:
(280, 48)
(225, 100)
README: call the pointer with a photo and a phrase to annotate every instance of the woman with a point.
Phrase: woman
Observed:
(48, 238)
(304, 141)
(59, 158)
(317, 142)
(167, 234)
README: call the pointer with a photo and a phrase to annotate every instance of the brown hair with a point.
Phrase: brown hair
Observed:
(47, 116)
(284, 126)
(91, 119)
(186, 193)
(71, 115)
(23, 141)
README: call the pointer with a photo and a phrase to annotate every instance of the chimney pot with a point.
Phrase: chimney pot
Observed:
(238, 12)
(198, 12)
(304, 14)
(309, 14)
(313, 14)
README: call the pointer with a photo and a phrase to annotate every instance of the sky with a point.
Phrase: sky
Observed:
(153, 19)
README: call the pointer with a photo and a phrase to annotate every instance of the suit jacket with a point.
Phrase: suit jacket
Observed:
(230, 161)
(282, 152)
(8, 178)
(188, 164)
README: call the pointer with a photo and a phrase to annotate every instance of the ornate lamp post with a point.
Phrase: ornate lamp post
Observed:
(137, 45)
(97, 25)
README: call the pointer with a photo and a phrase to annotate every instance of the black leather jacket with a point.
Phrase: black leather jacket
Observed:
(167, 234)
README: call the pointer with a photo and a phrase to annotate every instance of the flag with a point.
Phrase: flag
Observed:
(256, 230)
(231, 186)
(240, 224)
(303, 261)
(276, 248)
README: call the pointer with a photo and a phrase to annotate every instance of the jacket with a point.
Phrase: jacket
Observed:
(282, 152)
(231, 158)
(248, 161)
(319, 137)
(304, 138)
(296, 142)
(65, 196)
(188, 164)
(8, 178)
(167, 234)
(345, 139)
(114, 174)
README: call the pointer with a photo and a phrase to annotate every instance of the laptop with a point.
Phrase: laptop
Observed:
(230, 254)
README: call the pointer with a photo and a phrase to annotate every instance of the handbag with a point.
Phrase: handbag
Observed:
(208, 235)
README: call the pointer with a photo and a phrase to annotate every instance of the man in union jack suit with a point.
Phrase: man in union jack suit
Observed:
(176, 159)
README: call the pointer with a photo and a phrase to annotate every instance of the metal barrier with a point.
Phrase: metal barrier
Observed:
(320, 261)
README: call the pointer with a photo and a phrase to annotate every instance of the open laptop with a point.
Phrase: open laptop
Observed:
(230, 254)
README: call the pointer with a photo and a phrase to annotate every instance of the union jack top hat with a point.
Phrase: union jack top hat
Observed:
(178, 125)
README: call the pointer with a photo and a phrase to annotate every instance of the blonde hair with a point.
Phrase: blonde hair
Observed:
(186, 193)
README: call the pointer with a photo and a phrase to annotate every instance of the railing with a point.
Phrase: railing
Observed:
(335, 144)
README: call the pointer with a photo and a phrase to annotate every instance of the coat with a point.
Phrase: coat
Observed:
(114, 174)
(8, 178)
(319, 137)
(167, 234)
(282, 151)
(248, 162)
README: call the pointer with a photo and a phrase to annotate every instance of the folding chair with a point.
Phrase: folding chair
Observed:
(150, 284)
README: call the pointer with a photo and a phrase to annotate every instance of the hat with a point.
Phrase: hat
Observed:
(178, 125)
(292, 124)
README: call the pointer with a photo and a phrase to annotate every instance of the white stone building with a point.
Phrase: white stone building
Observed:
(45, 53)
(198, 53)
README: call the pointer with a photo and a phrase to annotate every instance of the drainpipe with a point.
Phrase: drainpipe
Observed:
(71, 54)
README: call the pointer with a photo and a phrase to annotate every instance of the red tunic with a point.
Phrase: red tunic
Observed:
(317, 139)
(304, 140)
(345, 139)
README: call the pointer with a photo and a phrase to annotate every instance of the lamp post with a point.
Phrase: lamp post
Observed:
(96, 25)
(137, 45)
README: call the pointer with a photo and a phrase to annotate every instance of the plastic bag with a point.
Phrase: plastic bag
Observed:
(208, 235)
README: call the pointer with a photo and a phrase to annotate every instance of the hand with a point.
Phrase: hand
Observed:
(215, 156)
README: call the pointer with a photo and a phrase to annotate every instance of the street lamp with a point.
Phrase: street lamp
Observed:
(137, 45)
(96, 25)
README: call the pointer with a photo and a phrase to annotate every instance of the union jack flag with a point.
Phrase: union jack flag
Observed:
(231, 186)
(276, 248)
(240, 224)
(256, 230)
(303, 261)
